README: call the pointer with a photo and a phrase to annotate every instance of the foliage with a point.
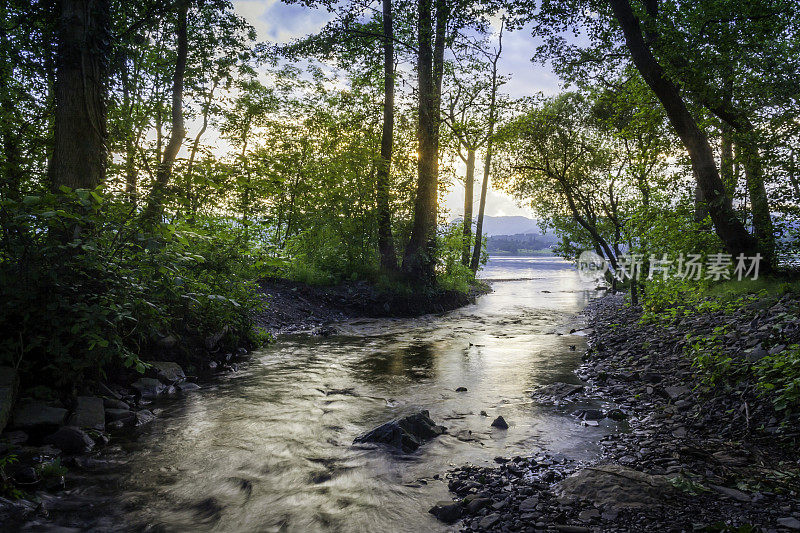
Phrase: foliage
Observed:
(452, 274)
(779, 376)
(7, 488)
(86, 290)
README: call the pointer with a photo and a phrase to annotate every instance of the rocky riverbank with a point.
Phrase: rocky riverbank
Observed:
(293, 306)
(50, 442)
(687, 456)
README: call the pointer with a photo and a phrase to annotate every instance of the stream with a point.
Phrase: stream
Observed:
(269, 448)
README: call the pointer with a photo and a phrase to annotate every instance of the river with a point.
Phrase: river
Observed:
(269, 448)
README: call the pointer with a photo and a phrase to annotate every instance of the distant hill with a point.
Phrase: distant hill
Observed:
(508, 225)
(519, 244)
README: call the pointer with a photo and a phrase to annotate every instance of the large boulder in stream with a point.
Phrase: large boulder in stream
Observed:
(405, 434)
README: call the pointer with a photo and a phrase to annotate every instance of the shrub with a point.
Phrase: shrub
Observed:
(86, 290)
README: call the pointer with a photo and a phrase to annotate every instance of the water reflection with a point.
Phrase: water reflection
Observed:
(270, 448)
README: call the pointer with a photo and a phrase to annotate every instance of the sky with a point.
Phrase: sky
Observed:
(278, 22)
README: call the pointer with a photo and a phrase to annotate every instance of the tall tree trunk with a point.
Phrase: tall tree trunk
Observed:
(700, 206)
(476, 251)
(487, 162)
(79, 136)
(155, 202)
(469, 186)
(728, 227)
(419, 258)
(726, 163)
(759, 203)
(196, 146)
(382, 181)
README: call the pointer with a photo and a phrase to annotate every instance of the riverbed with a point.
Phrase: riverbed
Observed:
(269, 448)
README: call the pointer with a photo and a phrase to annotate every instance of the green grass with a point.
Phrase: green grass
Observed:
(764, 286)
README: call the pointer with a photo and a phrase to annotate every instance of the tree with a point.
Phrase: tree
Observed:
(562, 168)
(495, 84)
(155, 202)
(465, 116)
(383, 181)
(79, 130)
(730, 230)
(687, 54)
(418, 260)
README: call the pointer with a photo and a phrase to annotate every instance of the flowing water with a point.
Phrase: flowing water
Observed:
(270, 448)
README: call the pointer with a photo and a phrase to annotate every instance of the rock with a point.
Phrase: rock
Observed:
(589, 414)
(615, 486)
(148, 387)
(587, 515)
(167, 371)
(477, 504)
(125, 416)
(558, 390)
(15, 437)
(756, 354)
(790, 523)
(529, 504)
(113, 403)
(212, 340)
(167, 342)
(25, 475)
(565, 528)
(38, 415)
(737, 495)
(325, 331)
(488, 521)
(143, 417)
(616, 414)
(652, 377)
(500, 423)
(71, 440)
(187, 387)
(447, 512)
(461, 389)
(9, 383)
(676, 392)
(406, 434)
(106, 390)
(89, 413)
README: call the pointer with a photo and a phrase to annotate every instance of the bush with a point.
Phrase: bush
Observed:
(451, 274)
(779, 376)
(86, 290)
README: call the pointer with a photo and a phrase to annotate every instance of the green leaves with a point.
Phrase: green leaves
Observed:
(95, 298)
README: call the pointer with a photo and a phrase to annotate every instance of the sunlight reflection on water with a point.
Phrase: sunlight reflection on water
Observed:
(270, 448)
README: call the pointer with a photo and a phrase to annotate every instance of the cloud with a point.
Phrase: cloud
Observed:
(278, 22)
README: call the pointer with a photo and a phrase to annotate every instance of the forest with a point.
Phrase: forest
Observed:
(164, 168)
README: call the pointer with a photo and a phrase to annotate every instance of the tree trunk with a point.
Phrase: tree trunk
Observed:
(382, 182)
(487, 162)
(476, 251)
(469, 185)
(196, 145)
(728, 227)
(759, 203)
(79, 129)
(726, 163)
(155, 202)
(419, 259)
